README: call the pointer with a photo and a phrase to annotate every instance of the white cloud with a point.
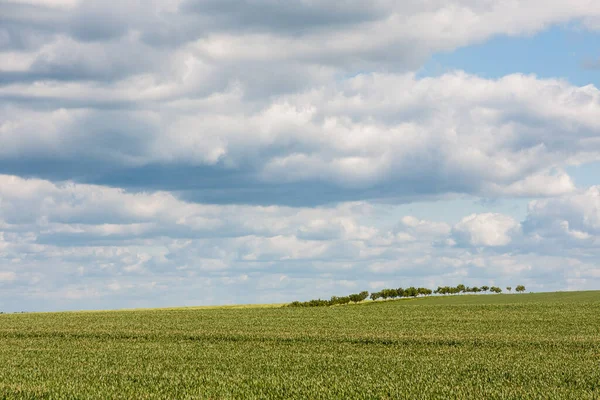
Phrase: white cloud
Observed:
(457, 132)
(488, 229)
(542, 184)
(576, 215)
(167, 250)
(423, 227)
(267, 96)
(92, 212)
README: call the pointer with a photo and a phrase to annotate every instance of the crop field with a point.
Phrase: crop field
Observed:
(519, 346)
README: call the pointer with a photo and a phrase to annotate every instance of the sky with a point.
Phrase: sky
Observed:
(198, 152)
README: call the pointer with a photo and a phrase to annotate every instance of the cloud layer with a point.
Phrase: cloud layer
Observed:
(218, 99)
(179, 148)
(371, 136)
(99, 245)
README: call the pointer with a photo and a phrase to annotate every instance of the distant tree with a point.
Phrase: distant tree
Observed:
(460, 288)
(316, 303)
(475, 289)
(485, 288)
(401, 292)
(375, 295)
(496, 289)
(508, 288)
(520, 288)
(411, 292)
(358, 297)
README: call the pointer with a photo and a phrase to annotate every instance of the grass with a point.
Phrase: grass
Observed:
(538, 346)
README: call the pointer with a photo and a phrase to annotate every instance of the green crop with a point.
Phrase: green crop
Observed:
(526, 346)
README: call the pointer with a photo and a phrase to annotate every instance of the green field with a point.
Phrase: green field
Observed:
(543, 346)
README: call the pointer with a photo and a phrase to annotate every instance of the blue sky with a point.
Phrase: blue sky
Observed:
(563, 51)
(192, 152)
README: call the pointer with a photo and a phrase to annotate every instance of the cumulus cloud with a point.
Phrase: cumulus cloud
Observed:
(95, 212)
(572, 219)
(303, 28)
(488, 229)
(98, 246)
(374, 135)
(263, 95)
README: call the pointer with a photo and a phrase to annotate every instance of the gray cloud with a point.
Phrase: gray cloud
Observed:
(348, 35)
(293, 16)
(455, 133)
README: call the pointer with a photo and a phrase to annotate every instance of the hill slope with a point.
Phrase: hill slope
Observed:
(543, 345)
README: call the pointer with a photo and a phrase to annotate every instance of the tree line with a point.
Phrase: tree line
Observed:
(335, 300)
(400, 293)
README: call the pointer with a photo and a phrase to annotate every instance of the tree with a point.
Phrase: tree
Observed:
(496, 289)
(520, 288)
(339, 300)
(375, 295)
(485, 288)
(358, 297)
(460, 288)
(316, 303)
(508, 288)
